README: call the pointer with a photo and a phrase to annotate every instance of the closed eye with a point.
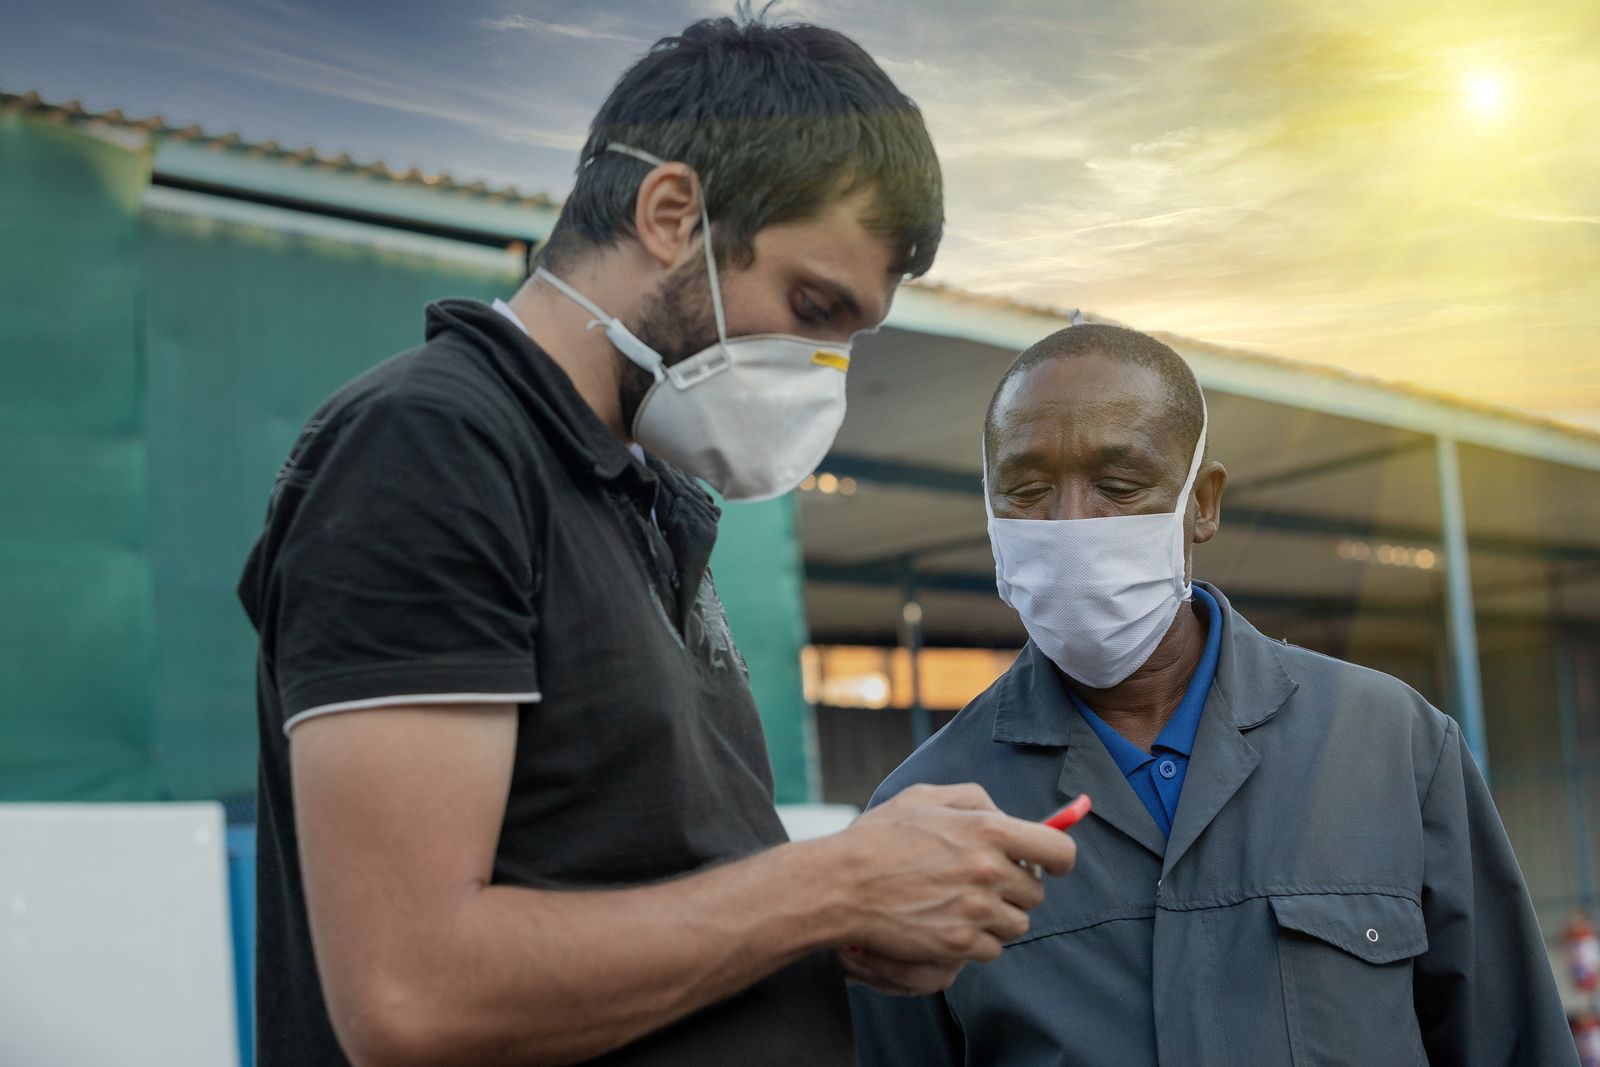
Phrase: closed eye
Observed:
(1027, 494)
(809, 311)
(1120, 490)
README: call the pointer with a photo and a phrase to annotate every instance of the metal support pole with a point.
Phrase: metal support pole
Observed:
(911, 640)
(1467, 688)
(1572, 770)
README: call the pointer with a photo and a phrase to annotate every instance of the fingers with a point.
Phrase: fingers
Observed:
(900, 977)
(940, 875)
(986, 947)
(856, 971)
(981, 926)
(1008, 924)
(1031, 842)
(968, 796)
(1022, 887)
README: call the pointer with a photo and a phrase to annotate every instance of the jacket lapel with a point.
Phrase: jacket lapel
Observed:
(1088, 768)
(1033, 709)
(1250, 686)
(1221, 762)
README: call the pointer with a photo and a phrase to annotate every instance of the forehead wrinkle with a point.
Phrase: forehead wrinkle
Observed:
(1123, 414)
(1132, 429)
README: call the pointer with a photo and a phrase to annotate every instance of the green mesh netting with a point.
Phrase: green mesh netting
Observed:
(156, 367)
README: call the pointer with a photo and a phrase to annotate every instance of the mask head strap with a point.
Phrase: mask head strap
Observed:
(705, 232)
(1199, 453)
(618, 334)
(983, 455)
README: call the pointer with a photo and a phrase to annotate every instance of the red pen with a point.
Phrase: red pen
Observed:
(1069, 816)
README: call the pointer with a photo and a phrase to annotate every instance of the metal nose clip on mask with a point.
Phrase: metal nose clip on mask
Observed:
(1096, 595)
(751, 415)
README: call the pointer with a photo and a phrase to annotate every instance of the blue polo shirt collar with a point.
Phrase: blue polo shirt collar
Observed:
(1035, 706)
(1160, 797)
(1178, 735)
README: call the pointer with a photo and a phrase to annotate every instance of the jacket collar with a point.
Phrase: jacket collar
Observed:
(1033, 708)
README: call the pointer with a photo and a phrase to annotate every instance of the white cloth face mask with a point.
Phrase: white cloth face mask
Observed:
(1096, 595)
(751, 415)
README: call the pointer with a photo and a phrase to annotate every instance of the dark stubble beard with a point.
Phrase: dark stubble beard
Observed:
(676, 321)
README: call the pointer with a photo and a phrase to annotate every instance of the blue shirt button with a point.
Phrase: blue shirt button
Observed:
(1167, 769)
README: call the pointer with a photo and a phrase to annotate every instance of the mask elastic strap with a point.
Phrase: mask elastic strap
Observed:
(637, 153)
(1199, 453)
(1188, 486)
(619, 335)
(983, 456)
(600, 319)
(711, 270)
(705, 233)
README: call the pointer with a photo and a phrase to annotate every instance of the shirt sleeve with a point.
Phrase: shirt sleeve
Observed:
(405, 566)
(1484, 991)
(898, 1031)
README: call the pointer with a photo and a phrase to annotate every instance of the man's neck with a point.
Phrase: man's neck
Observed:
(560, 327)
(1141, 705)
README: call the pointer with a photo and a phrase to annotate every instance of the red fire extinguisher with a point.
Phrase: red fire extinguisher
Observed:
(1583, 946)
(1586, 1032)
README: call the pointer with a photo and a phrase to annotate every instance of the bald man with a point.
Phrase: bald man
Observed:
(1291, 860)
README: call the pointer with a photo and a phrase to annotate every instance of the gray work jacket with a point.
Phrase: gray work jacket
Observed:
(1337, 888)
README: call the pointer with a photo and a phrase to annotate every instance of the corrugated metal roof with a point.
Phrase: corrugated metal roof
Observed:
(957, 315)
(1196, 351)
(159, 128)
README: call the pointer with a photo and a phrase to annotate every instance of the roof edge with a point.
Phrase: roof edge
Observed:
(195, 136)
(227, 161)
(946, 311)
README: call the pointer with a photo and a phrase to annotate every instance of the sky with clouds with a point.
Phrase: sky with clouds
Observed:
(1405, 190)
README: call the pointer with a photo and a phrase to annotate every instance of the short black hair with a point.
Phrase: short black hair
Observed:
(1124, 346)
(777, 120)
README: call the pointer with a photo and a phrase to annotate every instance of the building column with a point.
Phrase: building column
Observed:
(911, 641)
(1572, 768)
(1461, 620)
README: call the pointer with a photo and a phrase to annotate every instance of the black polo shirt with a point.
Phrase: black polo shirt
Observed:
(458, 523)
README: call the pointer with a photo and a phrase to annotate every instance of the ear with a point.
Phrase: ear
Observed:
(666, 213)
(1209, 484)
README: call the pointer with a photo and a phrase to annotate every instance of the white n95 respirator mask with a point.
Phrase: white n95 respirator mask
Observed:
(1096, 595)
(751, 415)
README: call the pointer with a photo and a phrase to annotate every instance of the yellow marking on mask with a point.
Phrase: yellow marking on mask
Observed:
(831, 359)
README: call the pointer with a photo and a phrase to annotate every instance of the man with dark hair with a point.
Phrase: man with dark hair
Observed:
(1290, 859)
(515, 806)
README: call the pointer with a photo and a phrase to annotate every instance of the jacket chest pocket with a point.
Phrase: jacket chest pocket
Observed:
(1345, 960)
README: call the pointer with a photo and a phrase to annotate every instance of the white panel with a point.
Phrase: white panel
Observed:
(115, 943)
(805, 821)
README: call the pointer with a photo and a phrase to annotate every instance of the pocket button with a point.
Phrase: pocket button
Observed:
(1372, 935)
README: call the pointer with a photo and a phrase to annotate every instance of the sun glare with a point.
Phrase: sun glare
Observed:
(1485, 93)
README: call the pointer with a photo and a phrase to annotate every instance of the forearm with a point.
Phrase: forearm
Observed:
(523, 976)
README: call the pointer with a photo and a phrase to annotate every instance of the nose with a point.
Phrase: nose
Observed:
(1071, 501)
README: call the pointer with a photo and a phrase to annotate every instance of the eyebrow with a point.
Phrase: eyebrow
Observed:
(1104, 456)
(1015, 461)
(1125, 453)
